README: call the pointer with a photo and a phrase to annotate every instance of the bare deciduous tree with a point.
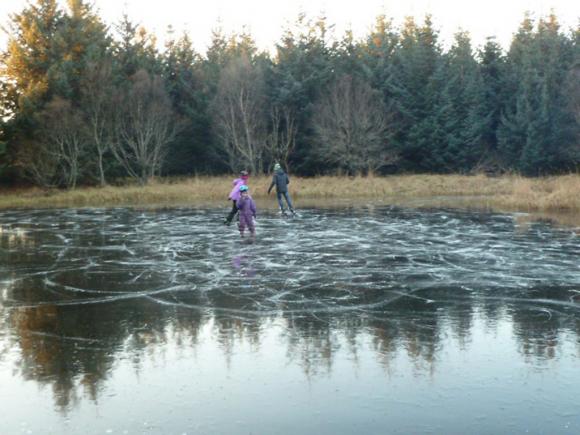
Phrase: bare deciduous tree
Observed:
(281, 139)
(36, 163)
(239, 114)
(64, 136)
(351, 121)
(97, 93)
(145, 125)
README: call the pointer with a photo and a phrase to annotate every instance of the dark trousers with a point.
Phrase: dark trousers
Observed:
(233, 212)
(288, 200)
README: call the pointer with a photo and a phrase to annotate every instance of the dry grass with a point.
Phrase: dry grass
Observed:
(508, 193)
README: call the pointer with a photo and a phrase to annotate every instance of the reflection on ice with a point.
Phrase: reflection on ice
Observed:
(86, 288)
(330, 262)
(13, 236)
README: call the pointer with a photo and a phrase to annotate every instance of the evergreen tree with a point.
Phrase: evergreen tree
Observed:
(85, 45)
(537, 128)
(30, 55)
(46, 60)
(6, 112)
(215, 59)
(553, 131)
(444, 111)
(302, 67)
(182, 71)
(415, 86)
(492, 63)
(81, 38)
(461, 121)
(572, 102)
(347, 57)
(221, 51)
(513, 126)
(378, 53)
(135, 50)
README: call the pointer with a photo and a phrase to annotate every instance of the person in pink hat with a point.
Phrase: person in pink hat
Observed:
(234, 195)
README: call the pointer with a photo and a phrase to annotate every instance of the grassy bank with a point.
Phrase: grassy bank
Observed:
(507, 193)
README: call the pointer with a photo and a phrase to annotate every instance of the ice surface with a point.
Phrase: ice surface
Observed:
(329, 261)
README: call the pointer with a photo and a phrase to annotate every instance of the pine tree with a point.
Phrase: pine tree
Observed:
(48, 53)
(514, 121)
(460, 121)
(537, 130)
(182, 71)
(492, 63)
(415, 84)
(135, 50)
(571, 89)
(81, 39)
(302, 67)
(347, 59)
(377, 54)
(223, 49)
(30, 56)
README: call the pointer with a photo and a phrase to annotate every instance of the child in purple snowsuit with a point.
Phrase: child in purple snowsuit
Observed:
(234, 195)
(247, 209)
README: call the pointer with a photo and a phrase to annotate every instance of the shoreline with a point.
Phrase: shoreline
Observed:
(507, 193)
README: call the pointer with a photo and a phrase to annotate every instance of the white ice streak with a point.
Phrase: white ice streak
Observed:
(104, 300)
(63, 338)
(323, 262)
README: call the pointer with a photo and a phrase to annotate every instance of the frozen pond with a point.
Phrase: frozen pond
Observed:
(365, 320)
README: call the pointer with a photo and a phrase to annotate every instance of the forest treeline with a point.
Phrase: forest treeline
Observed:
(86, 103)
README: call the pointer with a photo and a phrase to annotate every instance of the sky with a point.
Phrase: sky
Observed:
(266, 19)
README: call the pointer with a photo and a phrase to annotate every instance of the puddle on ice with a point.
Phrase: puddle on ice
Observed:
(339, 321)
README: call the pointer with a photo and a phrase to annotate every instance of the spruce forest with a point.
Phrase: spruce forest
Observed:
(85, 103)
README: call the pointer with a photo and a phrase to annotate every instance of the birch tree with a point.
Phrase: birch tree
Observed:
(97, 102)
(239, 115)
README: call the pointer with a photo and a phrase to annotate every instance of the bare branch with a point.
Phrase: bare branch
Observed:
(97, 95)
(239, 115)
(281, 139)
(145, 125)
(351, 123)
(64, 139)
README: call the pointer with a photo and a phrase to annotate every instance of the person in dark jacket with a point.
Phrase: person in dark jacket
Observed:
(281, 181)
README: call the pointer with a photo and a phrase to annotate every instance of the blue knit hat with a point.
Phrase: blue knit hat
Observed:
(277, 166)
(244, 188)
